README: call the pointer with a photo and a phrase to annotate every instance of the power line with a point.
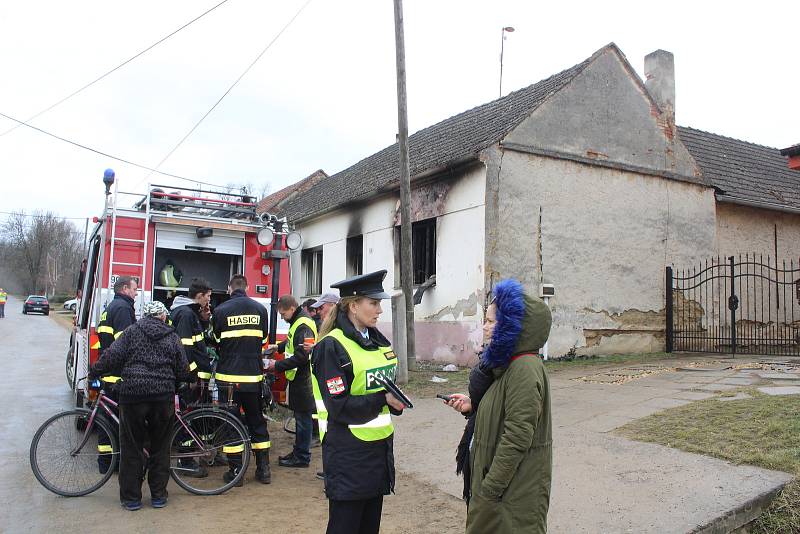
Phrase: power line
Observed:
(242, 75)
(107, 155)
(35, 216)
(114, 69)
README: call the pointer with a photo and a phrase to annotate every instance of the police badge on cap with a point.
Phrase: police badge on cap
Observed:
(365, 285)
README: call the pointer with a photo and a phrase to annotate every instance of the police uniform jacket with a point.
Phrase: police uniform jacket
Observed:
(118, 315)
(301, 398)
(186, 321)
(240, 329)
(354, 469)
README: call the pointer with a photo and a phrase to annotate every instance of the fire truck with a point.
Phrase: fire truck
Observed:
(164, 239)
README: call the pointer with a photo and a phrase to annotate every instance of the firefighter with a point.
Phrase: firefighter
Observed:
(240, 328)
(118, 315)
(298, 372)
(187, 319)
(354, 411)
(187, 315)
(3, 298)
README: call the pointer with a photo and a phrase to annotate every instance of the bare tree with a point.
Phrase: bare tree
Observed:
(43, 251)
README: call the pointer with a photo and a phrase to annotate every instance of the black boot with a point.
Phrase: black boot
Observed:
(263, 473)
(234, 466)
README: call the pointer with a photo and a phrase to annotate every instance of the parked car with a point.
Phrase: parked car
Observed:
(71, 304)
(36, 303)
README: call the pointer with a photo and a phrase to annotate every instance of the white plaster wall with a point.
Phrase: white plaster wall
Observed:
(606, 237)
(453, 306)
(747, 230)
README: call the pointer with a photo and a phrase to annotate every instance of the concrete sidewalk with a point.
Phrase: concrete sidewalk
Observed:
(602, 482)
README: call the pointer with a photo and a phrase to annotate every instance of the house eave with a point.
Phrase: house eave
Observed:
(609, 164)
(757, 204)
(450, 167)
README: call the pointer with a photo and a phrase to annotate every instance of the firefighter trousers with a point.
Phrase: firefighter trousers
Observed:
(250, 403)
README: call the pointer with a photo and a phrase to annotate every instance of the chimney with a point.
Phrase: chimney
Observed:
(659, 73)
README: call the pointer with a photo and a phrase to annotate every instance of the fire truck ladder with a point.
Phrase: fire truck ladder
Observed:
(143, 242)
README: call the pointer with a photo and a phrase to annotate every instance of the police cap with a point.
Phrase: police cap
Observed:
(364, 285)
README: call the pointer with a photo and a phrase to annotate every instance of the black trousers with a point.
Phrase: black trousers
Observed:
(145, 423)
(250, 402)
(355, 517)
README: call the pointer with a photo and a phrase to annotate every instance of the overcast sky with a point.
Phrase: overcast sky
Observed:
(324, 95)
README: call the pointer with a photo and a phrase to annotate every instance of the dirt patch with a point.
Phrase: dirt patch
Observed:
(293, 503)
(624, 375)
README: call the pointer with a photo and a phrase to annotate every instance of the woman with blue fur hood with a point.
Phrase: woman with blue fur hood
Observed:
(506, 451)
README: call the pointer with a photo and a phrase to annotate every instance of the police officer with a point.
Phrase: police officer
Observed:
(118, 315)
(298, 372)
(240, 328)
(353, 410)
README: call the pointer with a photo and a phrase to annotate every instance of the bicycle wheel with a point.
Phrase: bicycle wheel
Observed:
(62, 469)
(197, 458)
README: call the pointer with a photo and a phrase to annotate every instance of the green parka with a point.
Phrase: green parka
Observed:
(511, 452)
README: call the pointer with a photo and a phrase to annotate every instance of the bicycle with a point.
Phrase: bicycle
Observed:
(66, 450)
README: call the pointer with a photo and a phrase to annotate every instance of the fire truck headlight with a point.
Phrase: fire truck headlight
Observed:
(294, 240)
(265, 236)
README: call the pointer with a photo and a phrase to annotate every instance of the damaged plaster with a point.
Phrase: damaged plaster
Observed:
(467, 307)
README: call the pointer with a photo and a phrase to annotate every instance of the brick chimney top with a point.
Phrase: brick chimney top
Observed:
(659, 72)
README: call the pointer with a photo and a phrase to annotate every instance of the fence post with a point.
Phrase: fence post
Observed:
(670, 327)
(733, 304)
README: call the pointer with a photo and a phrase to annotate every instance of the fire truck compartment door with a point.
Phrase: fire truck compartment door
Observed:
(222, 242)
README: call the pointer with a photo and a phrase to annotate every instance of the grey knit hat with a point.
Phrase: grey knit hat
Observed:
(154, 309)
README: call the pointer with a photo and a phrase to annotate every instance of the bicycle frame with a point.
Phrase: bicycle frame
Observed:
(103, 402)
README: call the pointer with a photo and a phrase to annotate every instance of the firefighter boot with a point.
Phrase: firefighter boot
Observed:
(234, 466)
(263, 474)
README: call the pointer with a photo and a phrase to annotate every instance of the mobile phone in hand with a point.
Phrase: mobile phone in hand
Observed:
(445, 398)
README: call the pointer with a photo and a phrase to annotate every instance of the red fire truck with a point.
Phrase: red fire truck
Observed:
(164, 239)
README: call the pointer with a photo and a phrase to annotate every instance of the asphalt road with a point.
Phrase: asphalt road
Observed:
(33, 351)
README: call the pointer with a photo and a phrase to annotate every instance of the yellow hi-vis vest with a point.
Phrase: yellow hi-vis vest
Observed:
(3, 297)
(366, 365)
(289, 350)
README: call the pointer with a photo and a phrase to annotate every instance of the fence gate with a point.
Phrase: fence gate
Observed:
(747, 304)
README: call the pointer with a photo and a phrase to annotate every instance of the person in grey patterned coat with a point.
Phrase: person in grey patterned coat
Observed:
(150, 359)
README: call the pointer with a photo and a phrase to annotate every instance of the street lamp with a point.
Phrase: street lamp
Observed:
(507, 29)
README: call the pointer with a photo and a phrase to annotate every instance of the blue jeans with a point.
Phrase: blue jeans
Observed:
(303, 425)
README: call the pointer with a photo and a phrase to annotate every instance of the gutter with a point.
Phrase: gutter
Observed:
(758, 204)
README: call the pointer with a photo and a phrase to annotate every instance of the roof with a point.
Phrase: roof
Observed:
(743, 171)
(450, 142)
(272, 203)
(792, 151)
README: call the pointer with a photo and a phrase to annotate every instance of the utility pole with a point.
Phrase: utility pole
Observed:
(406, 264)
(85, 233)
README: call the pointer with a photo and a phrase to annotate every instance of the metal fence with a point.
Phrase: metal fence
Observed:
(745, 304)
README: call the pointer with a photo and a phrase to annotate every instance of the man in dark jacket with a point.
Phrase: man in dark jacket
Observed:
(298, 373)
(186, 319)
(149, 358)
(240, 328)
(116, 317)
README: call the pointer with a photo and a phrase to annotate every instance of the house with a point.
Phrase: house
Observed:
(581, 181)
